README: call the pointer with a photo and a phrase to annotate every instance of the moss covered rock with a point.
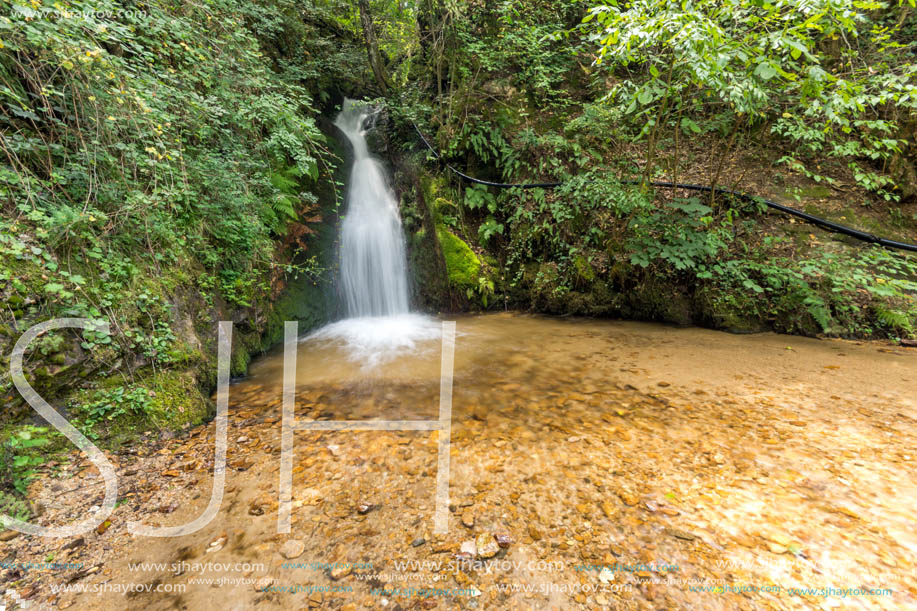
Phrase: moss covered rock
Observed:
(462, 265)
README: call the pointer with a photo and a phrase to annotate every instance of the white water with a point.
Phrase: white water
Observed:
(374, 275)
(373, 264)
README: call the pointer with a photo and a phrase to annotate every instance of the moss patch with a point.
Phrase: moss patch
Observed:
(462, 265)
(177, 400)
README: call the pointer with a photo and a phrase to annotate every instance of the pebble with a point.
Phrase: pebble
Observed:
(292, 548)
(487, 546)
(680, 534)
(609, 509)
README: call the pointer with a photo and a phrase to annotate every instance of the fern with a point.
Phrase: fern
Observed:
(286, 197)
(894, 319)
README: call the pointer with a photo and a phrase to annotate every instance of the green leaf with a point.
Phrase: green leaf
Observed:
(765, 71)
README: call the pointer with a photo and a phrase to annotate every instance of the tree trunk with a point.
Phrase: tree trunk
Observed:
(372, 48)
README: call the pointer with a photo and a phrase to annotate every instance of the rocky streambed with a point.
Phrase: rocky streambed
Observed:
(593, 465)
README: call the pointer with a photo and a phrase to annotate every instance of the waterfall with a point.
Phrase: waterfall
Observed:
(374, 274)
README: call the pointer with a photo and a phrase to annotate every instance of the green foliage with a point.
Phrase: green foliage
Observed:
(676, 235)
(895, 321)
(20, 454)
(14, 505)
(832, 78)
(106, 406)
(155, 141)
(831, 290)
(153, 154)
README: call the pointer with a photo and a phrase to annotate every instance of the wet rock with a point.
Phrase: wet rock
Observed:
(468, 519)
(293, 548)
(503, 541)
(9, 535)
(217, 544)
(487, 546)
(340, 572)
(365, 508)
(72, 544)
(534, 533)
(418, 542)
(263, 584)
(609, 509)
(680, 534)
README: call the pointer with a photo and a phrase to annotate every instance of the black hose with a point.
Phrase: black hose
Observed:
(814, 220)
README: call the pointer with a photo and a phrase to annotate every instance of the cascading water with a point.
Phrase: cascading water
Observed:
(373, 264)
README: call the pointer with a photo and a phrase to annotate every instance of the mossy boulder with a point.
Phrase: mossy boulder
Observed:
(177, 400)
(462, 265)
